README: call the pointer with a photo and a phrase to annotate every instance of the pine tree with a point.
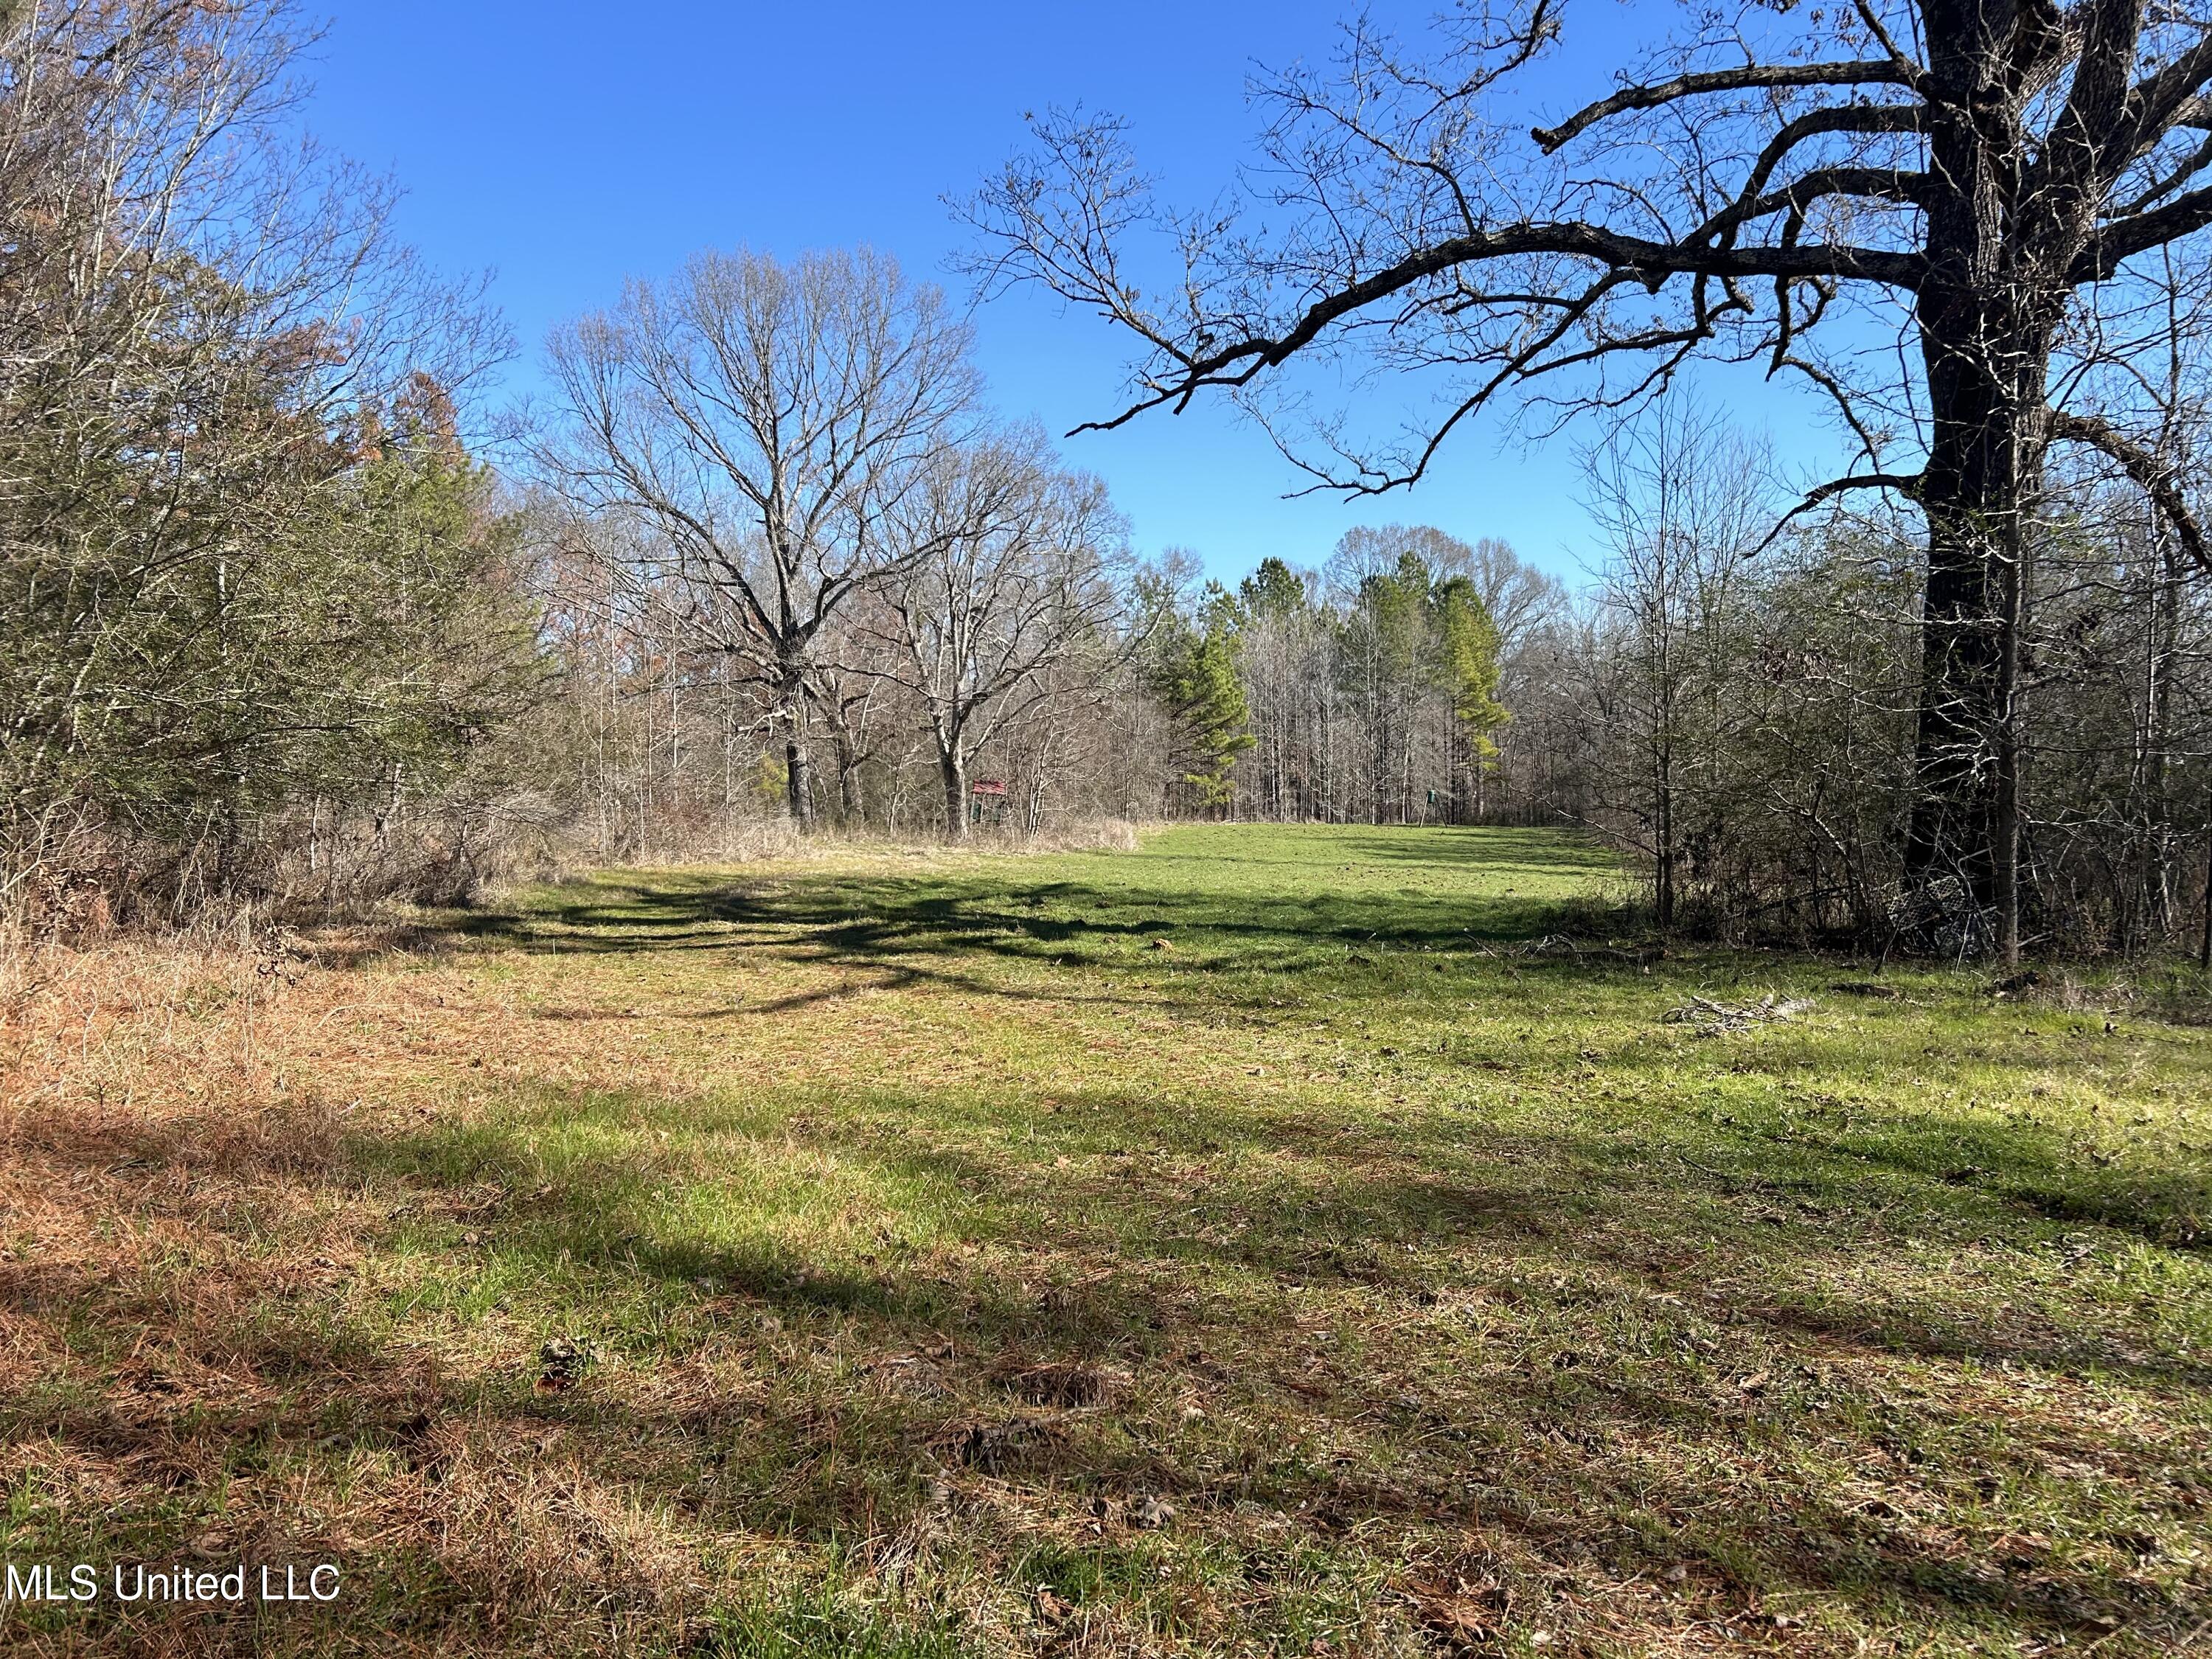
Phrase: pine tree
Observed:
(1272, 590)
(1468, 645)
(1199, 679)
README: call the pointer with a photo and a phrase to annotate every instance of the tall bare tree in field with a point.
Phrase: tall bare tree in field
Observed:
(763, 419)
(1935, 212)
(1015, 579)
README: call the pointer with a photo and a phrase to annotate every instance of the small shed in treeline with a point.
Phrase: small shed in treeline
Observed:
(987, 801)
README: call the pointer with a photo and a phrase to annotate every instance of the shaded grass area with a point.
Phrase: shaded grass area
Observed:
(1257, 1243)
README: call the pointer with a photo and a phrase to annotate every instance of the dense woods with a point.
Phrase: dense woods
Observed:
(283, 629)
(257, 598)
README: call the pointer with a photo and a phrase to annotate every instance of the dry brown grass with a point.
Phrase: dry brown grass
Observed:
(181, 1223)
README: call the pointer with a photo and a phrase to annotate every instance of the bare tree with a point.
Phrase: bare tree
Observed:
(1516, 594)
(1680, 499)
(845, 700)
(1979, 180)
(1016, 581)
(764, 419)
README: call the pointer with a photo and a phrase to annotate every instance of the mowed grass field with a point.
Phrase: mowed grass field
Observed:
(1265, 1241)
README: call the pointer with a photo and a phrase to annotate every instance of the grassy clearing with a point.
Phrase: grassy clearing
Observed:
(1244, 1245)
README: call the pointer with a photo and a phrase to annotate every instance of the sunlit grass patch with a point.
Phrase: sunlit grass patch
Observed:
(1266, 1238)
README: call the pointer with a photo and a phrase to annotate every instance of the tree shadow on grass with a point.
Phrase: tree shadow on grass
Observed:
(1498, 1345)
(1079, 1266)
(883, 922)
(1443, 1177)
(1602, 1383)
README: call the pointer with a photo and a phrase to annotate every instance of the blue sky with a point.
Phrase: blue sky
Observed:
(565, 147)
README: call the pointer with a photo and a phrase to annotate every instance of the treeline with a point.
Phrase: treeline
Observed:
(1739, 709)
(796, 559)
(764, 557)
(1378, 689)
(275, 635)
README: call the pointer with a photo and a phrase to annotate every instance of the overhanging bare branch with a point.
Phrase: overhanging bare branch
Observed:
(1905, 484)
(1873, 71)
(2157, 479)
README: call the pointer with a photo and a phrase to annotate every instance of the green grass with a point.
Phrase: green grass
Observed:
(928, 1227)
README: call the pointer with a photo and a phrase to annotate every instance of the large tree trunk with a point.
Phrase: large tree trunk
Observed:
(1988, 312)
(798, 782)
(798, 765)
(952, 768)
(1986, 382)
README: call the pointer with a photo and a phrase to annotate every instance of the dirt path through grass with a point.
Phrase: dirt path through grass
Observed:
(1244, 1245)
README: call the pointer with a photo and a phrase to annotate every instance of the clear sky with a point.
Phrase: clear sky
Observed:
(565, 146)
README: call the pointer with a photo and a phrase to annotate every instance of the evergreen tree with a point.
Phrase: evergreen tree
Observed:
(1198, 678)
(1468, 649)
(1383, 669)
(1272, 590)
